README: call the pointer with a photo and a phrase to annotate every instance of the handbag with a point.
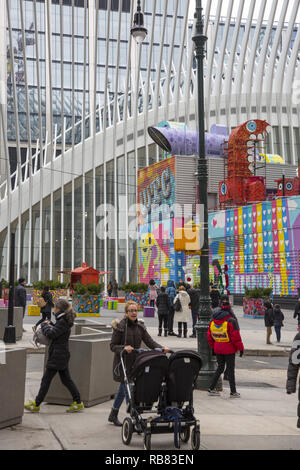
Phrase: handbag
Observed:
(41, 302)
(177, 305)
(39, 338)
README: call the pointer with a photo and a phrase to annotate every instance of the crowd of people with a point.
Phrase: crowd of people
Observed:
(175, 304)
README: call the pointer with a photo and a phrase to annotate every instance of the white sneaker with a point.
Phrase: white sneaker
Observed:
(235, 395)
(214, 393)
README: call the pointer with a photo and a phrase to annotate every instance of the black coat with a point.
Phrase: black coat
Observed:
(278, 317)
(20, 296)
(58, 355)
(215, 298)
(128, 333)
(293, 369)
(163, 304)
(195, 299)
(48, 298)
(297, 312)
(269, 317)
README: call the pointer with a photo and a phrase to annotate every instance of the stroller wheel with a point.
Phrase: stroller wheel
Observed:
(147, 441)
(185, 434)
(127, 431)
(195, 441)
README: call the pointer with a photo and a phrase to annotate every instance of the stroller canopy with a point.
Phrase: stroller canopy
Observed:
(148, 373)
(184, 367)
(149, 358)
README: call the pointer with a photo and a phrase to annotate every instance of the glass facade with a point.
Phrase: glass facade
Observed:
(89, 64)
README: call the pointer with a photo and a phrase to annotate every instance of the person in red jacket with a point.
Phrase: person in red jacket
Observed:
(224, 338)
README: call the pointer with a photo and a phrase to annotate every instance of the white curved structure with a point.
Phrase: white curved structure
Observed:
(54, 198)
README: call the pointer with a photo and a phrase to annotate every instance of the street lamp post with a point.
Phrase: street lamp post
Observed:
(10, 330)
(208, 361)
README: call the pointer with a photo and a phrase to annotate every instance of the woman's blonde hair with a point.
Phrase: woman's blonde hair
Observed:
(182, 288)
(128, 304)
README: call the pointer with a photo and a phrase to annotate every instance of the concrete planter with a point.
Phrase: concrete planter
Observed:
(18, 321)
(91, 365)
(81, 323)
(87, 305)
(12, 386)
(253, 308)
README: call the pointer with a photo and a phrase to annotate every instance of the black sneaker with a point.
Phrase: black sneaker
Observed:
(214, 393)
(235, 395)
(172, 334)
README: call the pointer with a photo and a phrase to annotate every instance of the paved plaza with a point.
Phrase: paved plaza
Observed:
(263, 418)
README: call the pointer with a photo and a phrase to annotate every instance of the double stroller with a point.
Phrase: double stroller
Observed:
(164, 386)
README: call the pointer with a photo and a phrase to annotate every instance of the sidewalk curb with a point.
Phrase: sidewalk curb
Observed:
(247, 352)
(265, 353)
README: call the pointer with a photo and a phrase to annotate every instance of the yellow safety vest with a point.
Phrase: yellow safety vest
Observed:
(220, 332)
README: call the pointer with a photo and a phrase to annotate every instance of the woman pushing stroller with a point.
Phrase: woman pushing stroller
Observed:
(127, 334)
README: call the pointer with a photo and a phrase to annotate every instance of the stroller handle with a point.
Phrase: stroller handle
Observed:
(140, 350)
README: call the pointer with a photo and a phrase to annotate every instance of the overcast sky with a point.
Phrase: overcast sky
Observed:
(246, 8)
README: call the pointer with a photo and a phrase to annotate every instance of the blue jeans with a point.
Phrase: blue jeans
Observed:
(120, 395)
(278, 332)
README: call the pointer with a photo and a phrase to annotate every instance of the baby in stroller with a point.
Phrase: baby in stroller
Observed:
(165, 386)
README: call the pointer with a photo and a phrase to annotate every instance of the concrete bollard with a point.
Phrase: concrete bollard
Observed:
(12, 386)
(18, 322)
(91, 365)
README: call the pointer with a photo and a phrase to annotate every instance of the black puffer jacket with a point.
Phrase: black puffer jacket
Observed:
(278, 317)
(128, 333)
(163, 304)
(49, 303)
(293, 369)
(59, 355)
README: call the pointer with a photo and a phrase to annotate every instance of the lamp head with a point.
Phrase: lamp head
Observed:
(138, 31)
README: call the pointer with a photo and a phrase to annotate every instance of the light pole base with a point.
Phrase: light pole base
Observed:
(204, 381)
(9, 335)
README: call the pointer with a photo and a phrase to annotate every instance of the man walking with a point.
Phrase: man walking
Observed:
(20, 295)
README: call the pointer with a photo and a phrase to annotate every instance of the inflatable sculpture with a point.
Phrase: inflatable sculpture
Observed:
(241, 185)
(288, 187)
(175, 139)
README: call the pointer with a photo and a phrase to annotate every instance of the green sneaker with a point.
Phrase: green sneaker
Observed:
(31, 406)
(75, 407)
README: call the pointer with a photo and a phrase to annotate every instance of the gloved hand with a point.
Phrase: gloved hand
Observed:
(241, 353)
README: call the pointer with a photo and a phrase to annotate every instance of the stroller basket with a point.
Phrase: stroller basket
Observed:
(184, 367)
(148, 373)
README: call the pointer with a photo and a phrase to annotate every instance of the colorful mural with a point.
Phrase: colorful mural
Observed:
(156, 194)
(254, 245)
(260, 244)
